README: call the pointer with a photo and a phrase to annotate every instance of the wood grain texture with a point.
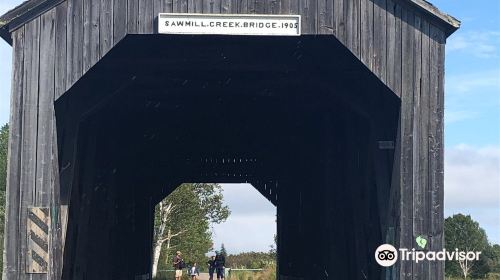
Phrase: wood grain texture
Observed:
(146, 19)
(352, 15)
(29, 130)
(119, 20)
(106, 27)
(91, 43)
(60, 74)
(12, 240)
(367, 33)
(308, 10)
(74, 35)
(407, 153)
(419, 211)
(436, 132)
(339, 18)
(226, 6)
(180, 6)
(394, 59)
(325, 17)
(379, 60)
(46, 115)
(132, 16)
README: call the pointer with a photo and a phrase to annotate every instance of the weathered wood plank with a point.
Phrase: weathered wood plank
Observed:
(91, 17)
(119, 20)
(195, 6)
(211, 6)
(394, 61)
(74, 37)
(145, 17)
(436, 159)
(423, 169)
(45, 110)
(352, 26)
(325, 17)
(226, 6)
(308, 10)
(242, 6)
(419, 155)
(60, 74)
(132, 16)
(106, 26)
(251, 7)
(379, 62)
(339, 19)
(168, 6)
(158, 8)
(407, 172)
(180, 6)
(260, 6)
(56, 237)
(12, 240)
(367, 36)
(275, 7)
(217, 6)
(29, 130)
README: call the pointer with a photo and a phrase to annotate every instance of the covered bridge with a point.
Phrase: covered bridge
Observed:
(341, 128)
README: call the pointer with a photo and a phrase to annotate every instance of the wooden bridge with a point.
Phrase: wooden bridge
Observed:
(341, 128)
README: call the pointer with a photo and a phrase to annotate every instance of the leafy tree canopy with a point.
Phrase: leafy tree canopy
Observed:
(464, 234)
(196, 206)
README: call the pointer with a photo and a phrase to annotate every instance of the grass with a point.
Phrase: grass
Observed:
(491, 276)
(267, 274)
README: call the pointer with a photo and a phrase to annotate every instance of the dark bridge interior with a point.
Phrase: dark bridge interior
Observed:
(301, 119)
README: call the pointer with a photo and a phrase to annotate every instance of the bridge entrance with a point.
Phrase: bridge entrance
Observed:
(341, 128)
(299, 118)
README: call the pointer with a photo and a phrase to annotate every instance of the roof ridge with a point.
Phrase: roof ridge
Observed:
(30, 9)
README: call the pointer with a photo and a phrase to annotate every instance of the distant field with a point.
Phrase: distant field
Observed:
(491, 276)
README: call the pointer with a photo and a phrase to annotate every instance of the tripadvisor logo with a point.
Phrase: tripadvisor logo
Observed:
(387, 255)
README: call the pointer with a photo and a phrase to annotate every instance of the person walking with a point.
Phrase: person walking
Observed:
(211, 267)
(178, 265)
(194, 272)
(220, 265)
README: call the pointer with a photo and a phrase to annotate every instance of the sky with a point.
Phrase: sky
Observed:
(472, 131)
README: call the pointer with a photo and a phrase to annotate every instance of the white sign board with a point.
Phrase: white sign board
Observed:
(270, 25)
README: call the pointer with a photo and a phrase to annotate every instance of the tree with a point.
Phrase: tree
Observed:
(182, 222)
(464, 234)
(4, 142)
(223, 250)
(495, 251)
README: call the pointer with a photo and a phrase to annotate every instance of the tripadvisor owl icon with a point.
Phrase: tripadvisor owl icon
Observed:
(386, 255)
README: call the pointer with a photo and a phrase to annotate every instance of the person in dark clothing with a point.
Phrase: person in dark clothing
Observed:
(211, 267)
(220, 265)
(178, 265)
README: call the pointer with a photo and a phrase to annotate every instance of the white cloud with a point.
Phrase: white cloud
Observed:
(456, 116)
(245, 233)
(252, 223)
(473, 82)
(481, 44)
(472, 185)
(472, 177)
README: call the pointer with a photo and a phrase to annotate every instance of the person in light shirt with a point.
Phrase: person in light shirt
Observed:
(194, 272)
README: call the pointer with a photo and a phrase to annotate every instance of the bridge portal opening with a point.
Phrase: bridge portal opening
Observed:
(301, 119)
(199, 219)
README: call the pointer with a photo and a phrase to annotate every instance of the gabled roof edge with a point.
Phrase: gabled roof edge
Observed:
(30, 9)
(448, 22)
(23, 13)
